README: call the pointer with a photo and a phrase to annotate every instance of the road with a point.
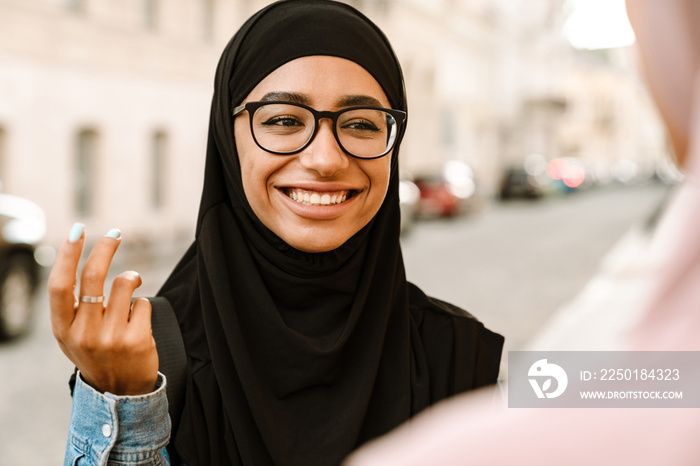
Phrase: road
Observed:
(511, 264)
(516, 263)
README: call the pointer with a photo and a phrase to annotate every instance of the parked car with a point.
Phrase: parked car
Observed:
(518, 183)
(409, 195)
(22, 228)
(447, 193)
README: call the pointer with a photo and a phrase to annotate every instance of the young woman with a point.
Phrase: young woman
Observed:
(303, 337)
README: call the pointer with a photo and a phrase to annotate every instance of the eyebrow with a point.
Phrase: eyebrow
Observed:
(346, 101)
(359, 100)
(282, 96)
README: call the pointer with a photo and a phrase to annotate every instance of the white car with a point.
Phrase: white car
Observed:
(22, 228)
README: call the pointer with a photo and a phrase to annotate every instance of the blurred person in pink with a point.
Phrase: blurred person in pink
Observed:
(471, 430)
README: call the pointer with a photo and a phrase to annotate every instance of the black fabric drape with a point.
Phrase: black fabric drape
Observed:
(297, 358)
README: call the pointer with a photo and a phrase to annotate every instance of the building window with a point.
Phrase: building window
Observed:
(150, 13)
(449, 127)
(74, 5)
(3, 157)
(159, 142)
(85, 173)
(208, 19)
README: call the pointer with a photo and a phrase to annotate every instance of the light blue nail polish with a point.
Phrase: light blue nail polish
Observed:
(114, 233)
(76, 232)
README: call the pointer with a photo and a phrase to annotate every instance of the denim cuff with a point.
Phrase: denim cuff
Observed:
(123, 429)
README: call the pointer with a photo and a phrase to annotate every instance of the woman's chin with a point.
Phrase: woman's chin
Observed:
(314, 245)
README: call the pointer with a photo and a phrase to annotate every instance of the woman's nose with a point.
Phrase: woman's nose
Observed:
(324, 155)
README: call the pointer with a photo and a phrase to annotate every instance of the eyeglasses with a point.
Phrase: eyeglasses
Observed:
(285, 128)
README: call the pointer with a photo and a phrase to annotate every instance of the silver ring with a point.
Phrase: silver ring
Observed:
(91, 299)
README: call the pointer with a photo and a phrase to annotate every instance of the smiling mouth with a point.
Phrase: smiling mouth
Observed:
(319, 198)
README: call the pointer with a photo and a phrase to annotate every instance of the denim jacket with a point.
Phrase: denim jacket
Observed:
(110, 430)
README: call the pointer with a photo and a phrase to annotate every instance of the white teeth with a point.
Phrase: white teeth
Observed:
(318, 199)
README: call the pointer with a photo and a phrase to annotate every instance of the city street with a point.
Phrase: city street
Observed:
(516, 263)
(511, 264)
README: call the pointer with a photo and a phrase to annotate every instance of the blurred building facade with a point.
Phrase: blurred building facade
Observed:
(104, 104)
(104, 107)
(611, 123)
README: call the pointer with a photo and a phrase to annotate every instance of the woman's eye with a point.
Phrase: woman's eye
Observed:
(360, 125)
(283, 121)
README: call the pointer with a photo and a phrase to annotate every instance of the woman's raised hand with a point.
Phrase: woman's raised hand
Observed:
(110, 343)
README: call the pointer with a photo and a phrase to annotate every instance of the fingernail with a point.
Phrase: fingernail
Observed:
(76, 232)
(114, 233)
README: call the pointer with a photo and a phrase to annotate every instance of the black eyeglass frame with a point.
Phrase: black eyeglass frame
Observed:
(398, 115)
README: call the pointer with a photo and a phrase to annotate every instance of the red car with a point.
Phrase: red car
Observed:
(441, 198)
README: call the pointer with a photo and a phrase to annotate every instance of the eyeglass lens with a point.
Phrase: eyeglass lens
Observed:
(363, 133)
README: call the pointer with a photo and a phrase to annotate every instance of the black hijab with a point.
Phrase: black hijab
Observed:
(297, 358)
